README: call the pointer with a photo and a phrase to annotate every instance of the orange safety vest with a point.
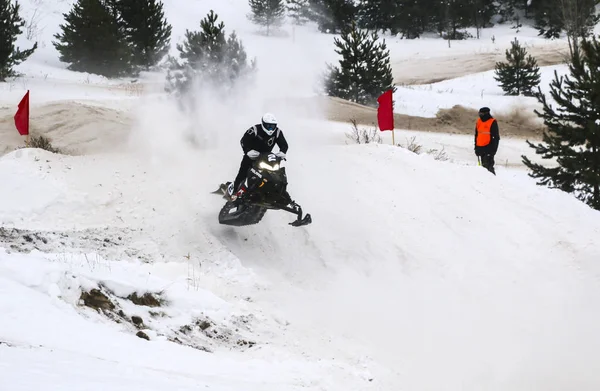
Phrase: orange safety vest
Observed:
(484, 135)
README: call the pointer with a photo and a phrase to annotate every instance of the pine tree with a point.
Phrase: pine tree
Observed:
(458, 16)
(378, 14)
(332, 16)
(548, 20)
(364, 72)
(448, 17)
(298, 11)
(267, 12)
(573, 135)
(93, 41)
(208, 57)
(509, 10)
(482, 12)
(10, 28)
(410, 18)
(147, 30)
(520, 74)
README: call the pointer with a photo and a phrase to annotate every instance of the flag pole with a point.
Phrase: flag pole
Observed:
(393, 141)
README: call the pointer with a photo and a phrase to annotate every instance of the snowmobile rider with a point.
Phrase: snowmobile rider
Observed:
(260, 138)
(487, 138)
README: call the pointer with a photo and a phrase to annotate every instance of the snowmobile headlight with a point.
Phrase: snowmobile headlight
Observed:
(269, 167)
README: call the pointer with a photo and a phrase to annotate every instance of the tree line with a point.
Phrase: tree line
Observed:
(448, 18)
(121, 37)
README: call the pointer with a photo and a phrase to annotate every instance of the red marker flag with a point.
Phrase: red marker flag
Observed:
(385, 111)
(22, 116)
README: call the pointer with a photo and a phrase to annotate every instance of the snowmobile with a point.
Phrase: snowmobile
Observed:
(266, 184)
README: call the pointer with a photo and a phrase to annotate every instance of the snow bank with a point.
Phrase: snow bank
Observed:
(73, 127)
(72, 346)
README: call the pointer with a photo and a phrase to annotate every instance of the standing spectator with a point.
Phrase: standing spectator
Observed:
(487, 138)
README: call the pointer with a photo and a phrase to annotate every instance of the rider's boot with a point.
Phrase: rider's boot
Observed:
(239, 194)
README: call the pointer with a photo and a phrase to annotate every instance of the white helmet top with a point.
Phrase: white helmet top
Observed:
(269, 123)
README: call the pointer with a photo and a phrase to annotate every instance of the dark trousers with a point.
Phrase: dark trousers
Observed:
(487, 161)
(242, 173)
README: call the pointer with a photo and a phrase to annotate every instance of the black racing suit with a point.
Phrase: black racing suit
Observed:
(488, 152)
(256, 139)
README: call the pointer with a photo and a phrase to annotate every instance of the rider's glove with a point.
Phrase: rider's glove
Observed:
(280, 154)
(253, 154)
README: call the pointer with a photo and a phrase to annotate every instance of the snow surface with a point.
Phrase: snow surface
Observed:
(472, 91)
(416, 274)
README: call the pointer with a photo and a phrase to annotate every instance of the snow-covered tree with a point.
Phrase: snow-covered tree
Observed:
(208, 57)
(267, 13)
(298, 11)
(11, 25)
(332, 16)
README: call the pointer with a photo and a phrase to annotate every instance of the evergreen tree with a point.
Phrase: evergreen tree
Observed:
(92, 40)
(411, 18)
(267, 12)
(458, 17)
(378, 14)
(510, 11)
(10, 28)
(507, 9)
(449, 17)
(332, 16)
(482, 12)
(208, 57)
(573, 135)
(520, 74)
(548, 20)
(147, 30)
(364, 72)
(298, 11)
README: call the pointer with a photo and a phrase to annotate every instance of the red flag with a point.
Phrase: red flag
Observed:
(22, 116)
(385, 111)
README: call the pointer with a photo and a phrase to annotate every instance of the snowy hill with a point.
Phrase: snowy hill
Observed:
(416, 274)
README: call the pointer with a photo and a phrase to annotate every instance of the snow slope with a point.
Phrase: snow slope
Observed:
(68, 349)
(487, 282)
(416, 274)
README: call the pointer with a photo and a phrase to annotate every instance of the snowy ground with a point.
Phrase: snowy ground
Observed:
(416, 274)
(388, 307)
(472, 91)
